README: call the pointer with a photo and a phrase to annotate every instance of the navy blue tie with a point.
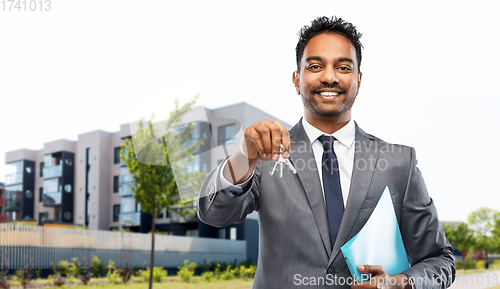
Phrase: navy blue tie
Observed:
(331, 186)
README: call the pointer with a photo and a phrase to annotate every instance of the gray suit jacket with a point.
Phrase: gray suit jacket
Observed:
(294, 237)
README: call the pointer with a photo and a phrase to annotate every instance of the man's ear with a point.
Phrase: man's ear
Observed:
(295, 79)
(359, 79)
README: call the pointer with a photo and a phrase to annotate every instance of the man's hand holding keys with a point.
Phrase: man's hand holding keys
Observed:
(265, 140)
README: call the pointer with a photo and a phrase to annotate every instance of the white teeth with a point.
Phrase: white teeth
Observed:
(328, 93)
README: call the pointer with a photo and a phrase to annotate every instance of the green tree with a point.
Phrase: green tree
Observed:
(461, 237)
(155, 187)
(496, 235)
(482, 221)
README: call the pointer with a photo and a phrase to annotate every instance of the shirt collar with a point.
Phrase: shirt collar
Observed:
(344, 135)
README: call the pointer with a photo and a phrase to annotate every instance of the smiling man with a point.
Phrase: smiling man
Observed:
(305, 218)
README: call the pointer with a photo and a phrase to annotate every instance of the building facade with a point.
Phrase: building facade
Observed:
(2, 202)
(83, 182)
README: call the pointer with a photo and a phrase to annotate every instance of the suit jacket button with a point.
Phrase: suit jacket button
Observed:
(331, 271)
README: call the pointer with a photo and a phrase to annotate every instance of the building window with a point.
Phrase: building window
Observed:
(40, 196)
(160, 215)
(115, 184)
(117, 155)
(116, 213)
(87, 189)
(42, 165)
(232, 233)
(226, 134)
(222, 233)
(42, 217)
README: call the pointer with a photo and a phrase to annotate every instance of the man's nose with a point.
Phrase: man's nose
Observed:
(328, 76)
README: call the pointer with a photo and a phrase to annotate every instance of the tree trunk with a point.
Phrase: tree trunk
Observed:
(152, 265)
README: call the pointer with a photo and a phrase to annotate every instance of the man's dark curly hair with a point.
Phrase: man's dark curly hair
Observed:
(324, 24)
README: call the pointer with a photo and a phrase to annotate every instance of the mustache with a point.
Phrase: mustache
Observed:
(326, 86)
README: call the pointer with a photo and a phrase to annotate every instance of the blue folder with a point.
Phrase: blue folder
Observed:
(377, 244)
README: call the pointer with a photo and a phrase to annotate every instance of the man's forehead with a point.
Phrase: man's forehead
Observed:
(328, 45)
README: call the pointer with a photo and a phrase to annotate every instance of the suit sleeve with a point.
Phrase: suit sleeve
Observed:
(218, 208)
(430, 253)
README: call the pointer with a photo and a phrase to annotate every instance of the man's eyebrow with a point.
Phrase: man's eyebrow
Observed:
(345, 59)
(340, 59)
(314, 58)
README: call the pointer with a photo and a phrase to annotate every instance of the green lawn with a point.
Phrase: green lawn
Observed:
(170, 283)
(219, 284)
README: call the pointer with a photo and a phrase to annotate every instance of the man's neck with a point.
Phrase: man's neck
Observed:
(328, 125)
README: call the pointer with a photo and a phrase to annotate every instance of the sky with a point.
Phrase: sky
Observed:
(430, 75)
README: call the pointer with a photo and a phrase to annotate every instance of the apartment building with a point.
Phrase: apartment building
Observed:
(2, 202)
(83, 182)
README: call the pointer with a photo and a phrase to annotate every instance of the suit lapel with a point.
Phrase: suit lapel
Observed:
(365, 159)
(301, 155)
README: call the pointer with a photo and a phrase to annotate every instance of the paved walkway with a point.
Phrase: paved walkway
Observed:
(477, 281)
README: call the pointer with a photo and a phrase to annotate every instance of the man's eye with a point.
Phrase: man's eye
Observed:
(314, 67)
(345, 68)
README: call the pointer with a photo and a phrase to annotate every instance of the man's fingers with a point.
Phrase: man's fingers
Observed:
(252, 135)
(276, 139)
(285, 139)
(373, 269)
(265, 137)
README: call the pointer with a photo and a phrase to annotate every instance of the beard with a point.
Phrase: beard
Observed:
(331, 108)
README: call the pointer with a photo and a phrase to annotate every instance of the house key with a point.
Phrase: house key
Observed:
(282, 161)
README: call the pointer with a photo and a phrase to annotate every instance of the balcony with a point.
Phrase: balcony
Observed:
(52, 172)
(52, 199)
(130, 219)
(126, 190)
(13, 200)
(15, 178)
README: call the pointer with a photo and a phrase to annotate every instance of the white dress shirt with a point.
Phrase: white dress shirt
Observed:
(344, 150)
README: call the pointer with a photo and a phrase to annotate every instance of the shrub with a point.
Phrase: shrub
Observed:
(113, 275)
(186, 271)
(247, 272)
(4, 281)
(247, 263)
(75, 268)
(36, 274)
(26, 272)
(217, 272)
(228, 274)
(126, 271)
(71, 278)
(63, 267)
(98, 267)
(480, 264)
(204, 267)
(144, 274)
(86, 273)
(207, 276)
(55, 279)
(159, 274)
